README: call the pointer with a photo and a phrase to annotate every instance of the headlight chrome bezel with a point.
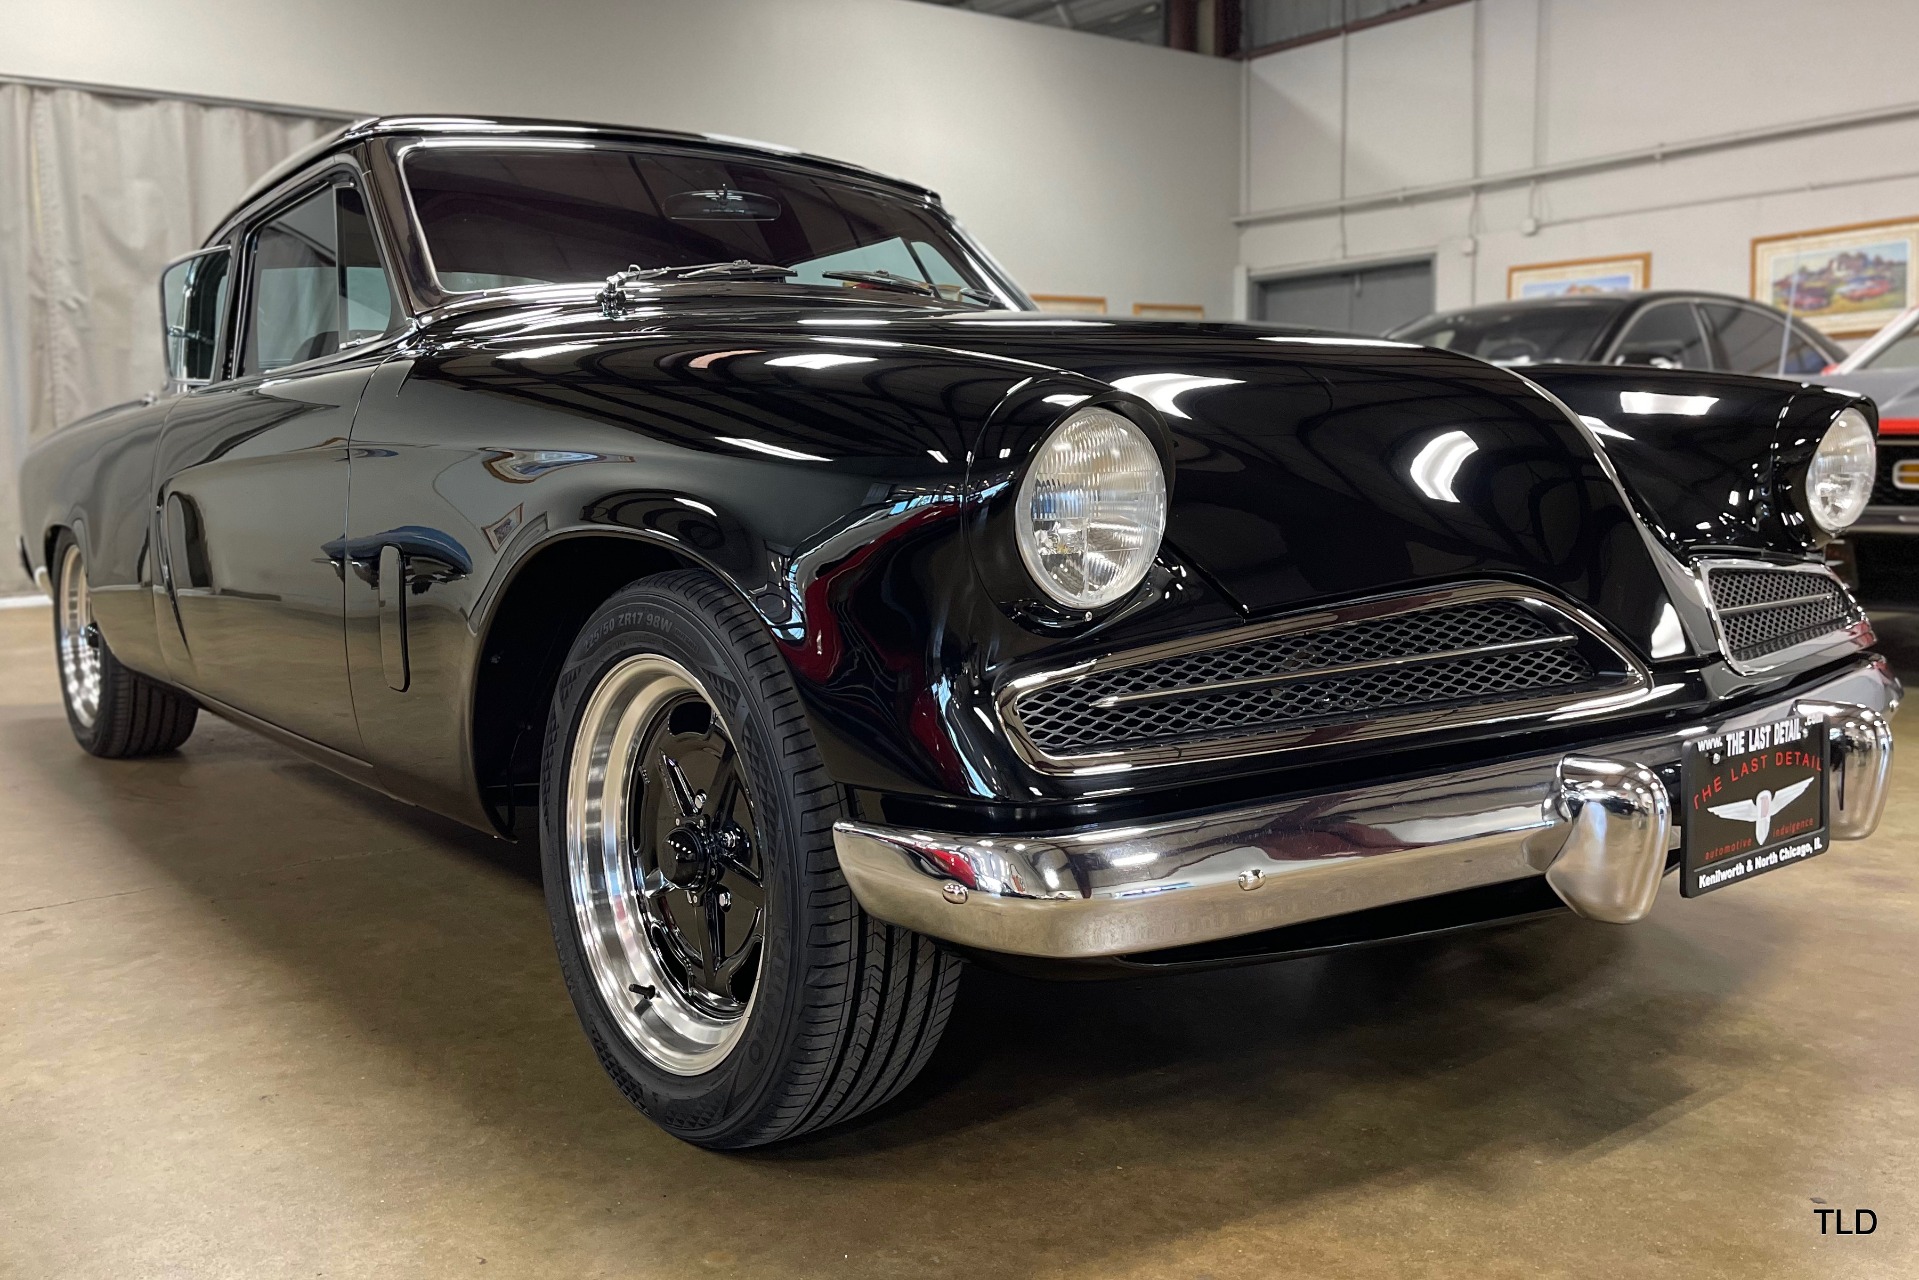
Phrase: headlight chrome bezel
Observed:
(1839, 477)
(1098, 435)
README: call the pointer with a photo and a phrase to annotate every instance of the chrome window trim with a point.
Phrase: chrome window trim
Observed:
(1854, 636)
(338, 171)
(1634, 687)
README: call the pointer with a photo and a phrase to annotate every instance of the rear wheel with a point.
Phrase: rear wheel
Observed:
(114, 712)
(730, 984)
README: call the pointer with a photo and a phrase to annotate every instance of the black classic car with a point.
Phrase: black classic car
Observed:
(728, 522)
(1665, 328)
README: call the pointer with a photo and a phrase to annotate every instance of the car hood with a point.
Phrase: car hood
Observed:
(1309, 467)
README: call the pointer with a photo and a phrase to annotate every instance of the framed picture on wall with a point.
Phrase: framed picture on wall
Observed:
(1069, 304)
(1169, 311)
(1843, 281)
(1579, 275)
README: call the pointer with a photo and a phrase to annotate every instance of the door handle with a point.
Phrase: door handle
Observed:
(392, 599)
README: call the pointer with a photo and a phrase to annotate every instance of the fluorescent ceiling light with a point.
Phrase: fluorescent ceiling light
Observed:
(1660, 402)
(818, 360)
(1436, 466)
(1163, 390)
(772, 450)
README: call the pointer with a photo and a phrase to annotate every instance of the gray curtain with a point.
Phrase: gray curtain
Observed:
(97, 193)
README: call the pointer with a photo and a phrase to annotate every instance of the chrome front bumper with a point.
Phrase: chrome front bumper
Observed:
(1596, 824)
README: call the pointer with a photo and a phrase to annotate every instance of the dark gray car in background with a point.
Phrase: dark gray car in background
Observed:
(1669, 329)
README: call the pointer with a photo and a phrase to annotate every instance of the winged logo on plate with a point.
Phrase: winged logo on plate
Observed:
(1760, 809)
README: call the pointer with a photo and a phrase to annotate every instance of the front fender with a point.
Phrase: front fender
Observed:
(1709, 459)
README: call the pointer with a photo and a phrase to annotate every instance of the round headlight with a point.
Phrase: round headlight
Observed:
(1091, 510)
(1839, 479)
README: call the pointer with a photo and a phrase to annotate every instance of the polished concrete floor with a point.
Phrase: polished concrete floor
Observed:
(255, 1022)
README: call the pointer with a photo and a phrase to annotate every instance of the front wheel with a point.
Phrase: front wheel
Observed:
(113, 711)
(729, 982)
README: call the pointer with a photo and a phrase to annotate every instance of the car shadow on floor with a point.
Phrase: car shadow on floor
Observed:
(1225, 1093)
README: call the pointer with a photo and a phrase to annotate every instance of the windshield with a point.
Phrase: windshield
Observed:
(1518, 335)
(499, 217)
(1901, 353)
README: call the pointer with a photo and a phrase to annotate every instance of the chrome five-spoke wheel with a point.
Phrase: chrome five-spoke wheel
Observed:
(664, 864)
(727, 979)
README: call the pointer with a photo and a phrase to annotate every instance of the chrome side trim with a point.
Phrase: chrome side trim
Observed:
(1861, 763)
(1855, 635)
(1633, 685)
(1597, 824)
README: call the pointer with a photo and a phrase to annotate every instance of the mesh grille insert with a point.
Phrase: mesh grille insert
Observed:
(1762, 611)
(1429, 659)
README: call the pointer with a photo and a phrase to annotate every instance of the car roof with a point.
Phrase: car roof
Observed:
(510, 126)
(1617, 298)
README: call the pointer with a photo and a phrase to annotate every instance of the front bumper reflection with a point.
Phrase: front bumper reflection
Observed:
(1597, 824)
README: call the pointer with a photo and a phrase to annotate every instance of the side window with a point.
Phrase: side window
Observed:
(369, 307)
(1666, 335)
(1804, 355)
(318, 285)
(1750, 341)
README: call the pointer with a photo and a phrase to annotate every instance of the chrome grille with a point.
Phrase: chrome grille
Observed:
(1764, 611)
(1370, 674)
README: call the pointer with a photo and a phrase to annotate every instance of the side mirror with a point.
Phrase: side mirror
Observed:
(193, 307)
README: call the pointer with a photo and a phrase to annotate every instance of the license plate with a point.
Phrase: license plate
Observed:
(1753, 800)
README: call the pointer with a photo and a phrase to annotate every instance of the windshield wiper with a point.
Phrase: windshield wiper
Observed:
(739, 269)
(886, 280)
(894, 280)
(614, 295)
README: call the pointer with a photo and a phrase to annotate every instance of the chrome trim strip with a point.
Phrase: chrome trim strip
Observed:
(1636, 684)
(1855, 635)
(1345, 668)
(1821, 598)
(1886, 518)
(1590, 822)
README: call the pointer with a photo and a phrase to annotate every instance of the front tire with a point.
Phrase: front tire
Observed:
(114, 712)
(730, 984)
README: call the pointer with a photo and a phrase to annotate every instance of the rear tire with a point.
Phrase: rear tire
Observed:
(681, 788)
(114, 712)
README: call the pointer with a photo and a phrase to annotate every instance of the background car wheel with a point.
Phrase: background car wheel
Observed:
(114, 712)
(728, 980)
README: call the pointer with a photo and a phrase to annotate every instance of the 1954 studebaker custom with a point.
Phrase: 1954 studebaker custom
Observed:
(727, 521)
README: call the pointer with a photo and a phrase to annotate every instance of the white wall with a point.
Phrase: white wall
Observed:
(1498, 86)
(1086, 165)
